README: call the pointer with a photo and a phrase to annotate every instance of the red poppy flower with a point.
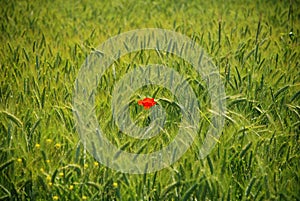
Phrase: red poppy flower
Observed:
(147, 103)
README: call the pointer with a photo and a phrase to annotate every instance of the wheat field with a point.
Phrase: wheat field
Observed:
(255, 46)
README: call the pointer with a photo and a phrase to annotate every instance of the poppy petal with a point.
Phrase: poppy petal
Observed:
(147, 103)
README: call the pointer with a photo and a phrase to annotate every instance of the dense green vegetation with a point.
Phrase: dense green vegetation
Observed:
(254, 44)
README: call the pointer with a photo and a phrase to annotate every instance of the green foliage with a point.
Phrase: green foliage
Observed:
(254, 44)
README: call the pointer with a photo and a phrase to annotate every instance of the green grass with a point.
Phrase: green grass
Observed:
(43, 45)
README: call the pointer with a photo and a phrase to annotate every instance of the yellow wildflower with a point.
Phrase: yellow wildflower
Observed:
(37, 146)
(19, 160)
(84, 197)
(115, 184)
(48, 141)
(57, 145)
(71, 187)
(55, 197)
